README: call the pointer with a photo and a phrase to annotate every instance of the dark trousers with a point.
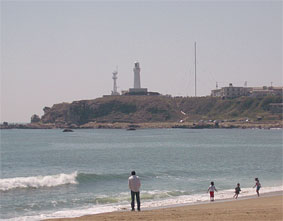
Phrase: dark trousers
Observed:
(137, 194)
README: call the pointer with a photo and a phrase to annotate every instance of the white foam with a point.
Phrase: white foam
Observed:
(38, 181)
(148, 204)
(203, 197)
(66, 213)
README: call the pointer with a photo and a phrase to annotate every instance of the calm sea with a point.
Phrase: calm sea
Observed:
(48, 173)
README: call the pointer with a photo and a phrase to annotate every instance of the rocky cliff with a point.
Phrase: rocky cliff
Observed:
(140, 109)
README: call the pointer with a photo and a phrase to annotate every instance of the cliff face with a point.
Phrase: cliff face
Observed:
(138, 109)
(133, 109)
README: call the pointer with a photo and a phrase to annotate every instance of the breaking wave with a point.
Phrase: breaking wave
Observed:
(38, 181)
(57, 180)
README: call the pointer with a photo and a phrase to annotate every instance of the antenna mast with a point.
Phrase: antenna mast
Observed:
(114, 77)
(195, 69)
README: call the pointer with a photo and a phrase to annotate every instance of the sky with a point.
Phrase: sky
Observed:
(63, 51)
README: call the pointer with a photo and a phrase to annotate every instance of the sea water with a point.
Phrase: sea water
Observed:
(48, 173)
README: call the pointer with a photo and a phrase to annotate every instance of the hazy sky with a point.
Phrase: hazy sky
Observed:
(61, 51)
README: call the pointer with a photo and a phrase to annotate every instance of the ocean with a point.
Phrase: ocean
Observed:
(49, 174)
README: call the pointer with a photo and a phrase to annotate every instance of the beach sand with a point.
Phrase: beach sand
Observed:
(262, 208)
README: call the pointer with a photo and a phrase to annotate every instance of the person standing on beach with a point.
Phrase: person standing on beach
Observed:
(211, 190)
(134, 185)
(257, 185)
(237, 191)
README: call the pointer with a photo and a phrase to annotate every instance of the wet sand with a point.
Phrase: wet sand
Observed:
(262, 208)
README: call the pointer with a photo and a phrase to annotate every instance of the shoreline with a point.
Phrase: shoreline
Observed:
(268, 205)
(152, 125)
(268, 194)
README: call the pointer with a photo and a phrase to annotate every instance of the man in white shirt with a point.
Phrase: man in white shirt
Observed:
(134, 185)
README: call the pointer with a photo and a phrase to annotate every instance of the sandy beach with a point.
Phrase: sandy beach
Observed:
(263, 208)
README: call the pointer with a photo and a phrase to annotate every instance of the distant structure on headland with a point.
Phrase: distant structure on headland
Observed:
(234, 92)
(114, 77)
(137, 77)
(137, 90)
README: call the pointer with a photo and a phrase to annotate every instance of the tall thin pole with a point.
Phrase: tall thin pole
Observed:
(195, 68)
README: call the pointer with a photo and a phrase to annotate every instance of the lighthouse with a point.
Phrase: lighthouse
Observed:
(137, 80)
(137, 90)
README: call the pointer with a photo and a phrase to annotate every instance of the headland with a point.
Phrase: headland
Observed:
(160, 112)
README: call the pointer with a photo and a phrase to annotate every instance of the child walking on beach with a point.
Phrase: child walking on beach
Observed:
(211, 190)
(257, 185)
(237, 191)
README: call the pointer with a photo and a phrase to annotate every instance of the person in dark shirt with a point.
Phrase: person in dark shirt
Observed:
(237, 191)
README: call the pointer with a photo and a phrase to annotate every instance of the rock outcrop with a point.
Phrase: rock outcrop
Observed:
(35, 119)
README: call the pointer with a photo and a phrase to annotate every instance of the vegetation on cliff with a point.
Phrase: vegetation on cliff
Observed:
(140, 109)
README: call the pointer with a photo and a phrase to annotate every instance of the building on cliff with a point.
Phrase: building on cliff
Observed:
(230, 92)
(266, 91)
(137, 90)
(234, 92)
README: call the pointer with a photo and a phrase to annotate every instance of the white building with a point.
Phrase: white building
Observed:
(266, 91)
(233, 92)
(137, 90)
(137, 77)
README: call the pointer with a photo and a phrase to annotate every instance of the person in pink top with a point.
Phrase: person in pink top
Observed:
(134, 185)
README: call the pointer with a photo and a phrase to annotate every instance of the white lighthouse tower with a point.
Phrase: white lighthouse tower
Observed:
(137, 90)
(137, 80)
(114, 77)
